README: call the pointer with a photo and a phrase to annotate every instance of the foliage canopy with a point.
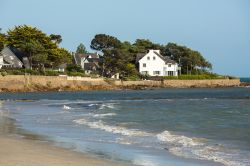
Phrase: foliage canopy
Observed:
(40, 48)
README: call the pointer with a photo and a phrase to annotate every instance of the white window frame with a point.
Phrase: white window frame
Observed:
(156, 72)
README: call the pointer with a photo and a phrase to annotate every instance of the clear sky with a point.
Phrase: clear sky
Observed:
(219, 29)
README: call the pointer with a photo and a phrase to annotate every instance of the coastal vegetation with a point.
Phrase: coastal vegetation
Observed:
(42, 50)
(120, 57)
(45, 54)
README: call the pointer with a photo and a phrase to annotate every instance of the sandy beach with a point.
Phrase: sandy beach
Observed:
(22, 152)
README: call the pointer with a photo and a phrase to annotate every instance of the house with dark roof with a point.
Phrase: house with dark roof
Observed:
(154, 64)
(14, 58)
(89, 62)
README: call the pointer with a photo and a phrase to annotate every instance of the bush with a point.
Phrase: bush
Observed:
(195, 77)
(132, 78)
(74, 68)
(4, 73)
(51, 73)
(76, 74)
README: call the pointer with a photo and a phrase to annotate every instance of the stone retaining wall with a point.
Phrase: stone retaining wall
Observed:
(21, 83)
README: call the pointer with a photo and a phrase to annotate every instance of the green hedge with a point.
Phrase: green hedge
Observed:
(195, 77)
(5, 72)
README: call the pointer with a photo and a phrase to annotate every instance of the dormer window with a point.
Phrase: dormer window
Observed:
(148, 58)
(169, 65)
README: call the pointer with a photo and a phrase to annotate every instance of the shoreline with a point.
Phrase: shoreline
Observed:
(16, 151)
(23, 148)
(31, 83)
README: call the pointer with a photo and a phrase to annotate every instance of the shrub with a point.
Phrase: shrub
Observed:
(76, 74)
(4, 73)
(74, 68)
(132, 78)
(51, 73)
(195, 77)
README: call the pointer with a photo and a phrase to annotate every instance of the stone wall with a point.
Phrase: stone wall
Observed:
(181, 83)
(202, 83)
(21, 83)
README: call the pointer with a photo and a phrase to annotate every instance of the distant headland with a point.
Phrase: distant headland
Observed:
(27, 51)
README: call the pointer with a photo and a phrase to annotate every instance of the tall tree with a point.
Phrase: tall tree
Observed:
(59, 56)
(102, 42)
(22, 34)
(56, 38)
(118, 61)
(143, 45)
(40, 48)
(189, 59)
(2, 40)
(33, 48)
(81, 49)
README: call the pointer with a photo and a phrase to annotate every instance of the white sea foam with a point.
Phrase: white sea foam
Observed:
(65, 107)
(191, 147)
(103, 115)
(166, 136)
(107, 105)
(91, 105)
(112, 129)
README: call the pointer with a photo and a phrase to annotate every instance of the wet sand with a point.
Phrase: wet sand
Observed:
(21, 152)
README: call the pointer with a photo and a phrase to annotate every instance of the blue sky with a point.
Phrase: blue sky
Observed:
(219, 29)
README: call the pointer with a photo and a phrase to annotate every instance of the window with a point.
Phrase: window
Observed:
(144, 72)
(170, 73)
(144, 65)
(148, 58)
(154, 58)
(156, 72)
(169, 65)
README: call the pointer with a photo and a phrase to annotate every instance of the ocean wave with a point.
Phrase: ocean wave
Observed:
(65, 107)
(107, 105)
(197, 148)
(112, 129)
(166, 136)
(91, 105)
(103, 115)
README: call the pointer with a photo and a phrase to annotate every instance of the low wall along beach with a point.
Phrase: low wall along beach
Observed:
(27, 83)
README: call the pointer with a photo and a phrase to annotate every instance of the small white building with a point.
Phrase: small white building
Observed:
(154, 64)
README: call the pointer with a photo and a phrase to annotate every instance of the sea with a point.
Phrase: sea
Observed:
(159, 127)
(245, 79)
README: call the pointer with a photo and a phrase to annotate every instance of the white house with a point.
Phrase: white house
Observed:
(154, 64)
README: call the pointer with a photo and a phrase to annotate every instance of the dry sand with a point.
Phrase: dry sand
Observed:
(22, 152)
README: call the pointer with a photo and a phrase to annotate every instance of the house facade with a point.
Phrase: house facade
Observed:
(154, 64)
(89, 62)
(13, 58)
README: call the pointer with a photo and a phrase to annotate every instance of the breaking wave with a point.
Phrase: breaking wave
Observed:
(107, 105)
(103, 115)
(176, 144)
(197, 148)
(112, 129)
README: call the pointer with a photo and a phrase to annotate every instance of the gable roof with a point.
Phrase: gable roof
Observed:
(78, 57)
(11, 57)
(166, 59)
(139, 56)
